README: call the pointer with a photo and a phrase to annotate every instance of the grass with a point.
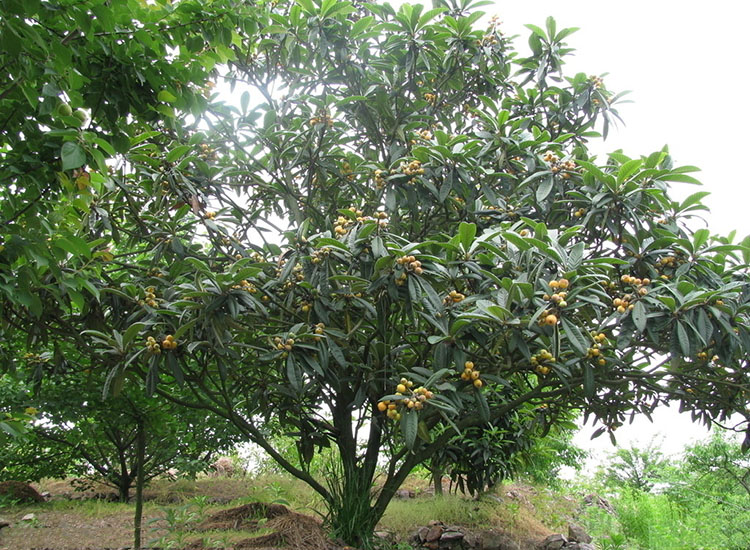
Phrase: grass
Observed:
(643, 521)
(173, 508)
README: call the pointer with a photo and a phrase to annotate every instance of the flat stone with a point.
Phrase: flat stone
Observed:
(28, 517)
(451, 536)
(554, 542)
(576, 533)
(434, 533)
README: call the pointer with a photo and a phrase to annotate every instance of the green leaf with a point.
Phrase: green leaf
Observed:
(545, 188)
(683, 339)
(466, 234)
(575, 337)
(177, 152)
(132, 331)
(483, 407)
(73, 156)
(74, 245)
(639, 316)
(409, 422)
(166, 97)
(589, 383)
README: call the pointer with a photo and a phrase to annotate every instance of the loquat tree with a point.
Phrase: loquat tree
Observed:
(393, 233)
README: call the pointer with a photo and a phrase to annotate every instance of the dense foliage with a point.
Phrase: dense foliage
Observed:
(451, 253)
(696, 501)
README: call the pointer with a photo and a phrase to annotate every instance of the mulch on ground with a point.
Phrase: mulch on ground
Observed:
(288, 529)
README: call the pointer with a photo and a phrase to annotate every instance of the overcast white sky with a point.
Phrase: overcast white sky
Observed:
(686, 65)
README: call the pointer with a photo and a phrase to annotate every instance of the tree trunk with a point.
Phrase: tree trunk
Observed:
(123, 489)
(437, 481)
(139, 480)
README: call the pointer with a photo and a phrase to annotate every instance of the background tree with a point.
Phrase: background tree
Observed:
(718, 465)
(453, 253)
(636, 469)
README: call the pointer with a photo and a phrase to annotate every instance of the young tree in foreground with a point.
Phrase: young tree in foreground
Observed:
(454, 253)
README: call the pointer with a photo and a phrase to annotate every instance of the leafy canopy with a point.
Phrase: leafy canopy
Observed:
(452, 252)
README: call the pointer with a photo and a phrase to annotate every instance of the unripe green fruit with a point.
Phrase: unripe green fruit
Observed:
(64, 109)
(80, 114)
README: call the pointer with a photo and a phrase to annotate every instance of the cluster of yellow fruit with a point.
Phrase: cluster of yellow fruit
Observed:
(322, 118)
(414, 399)
(558, 298)
(154, 348)
(547, 318)
(305, 307)
(489, 39)
(318, 330)
(595, 351)
(411, 168)
(342, 225)
(169, 342)
(668, 261)
(379, 178)
(410, 263)
(34, 358)
(282, 344)
(596, 81)
(623, 303)
(579, 213)
(150, 297)
(207, 152)
(245, 285)
(209, 215)
(470, 374)
(346, 170)
(430, 98)
(319, 255)
(454, 297)
(538, 361)
(703, 356)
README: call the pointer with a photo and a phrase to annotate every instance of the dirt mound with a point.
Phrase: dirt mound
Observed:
(243, 517)
(289, 529)
(22, 492)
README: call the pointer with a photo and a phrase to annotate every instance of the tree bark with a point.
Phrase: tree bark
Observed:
(139, 481)
(437, 481)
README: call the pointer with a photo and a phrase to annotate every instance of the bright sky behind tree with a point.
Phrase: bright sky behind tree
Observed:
(686, 66)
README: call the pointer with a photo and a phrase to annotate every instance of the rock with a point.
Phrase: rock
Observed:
(584, 546)
(451, 537)
(553, 542)
(4, 523)
(434, 533)
(21, 492)
(492, 540)
(404, 493)
(471, 540)
(28, 517)
(577, 534)
(385, 536)
(421, 535)
(46, 495)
